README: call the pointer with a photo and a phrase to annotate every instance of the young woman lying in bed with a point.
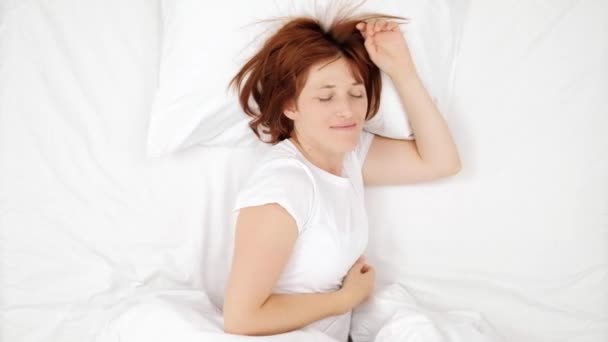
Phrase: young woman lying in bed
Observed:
(302, 226)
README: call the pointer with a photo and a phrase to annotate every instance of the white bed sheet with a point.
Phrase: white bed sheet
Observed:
(101, 244)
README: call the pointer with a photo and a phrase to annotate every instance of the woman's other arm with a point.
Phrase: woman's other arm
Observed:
(433, 154)
(265, 236)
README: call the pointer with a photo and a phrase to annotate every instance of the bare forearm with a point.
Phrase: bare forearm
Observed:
(287, 312)
(433, 139)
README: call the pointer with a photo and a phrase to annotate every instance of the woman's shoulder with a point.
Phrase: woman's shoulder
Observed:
(282, 154)
(280, 177)
(282, 162)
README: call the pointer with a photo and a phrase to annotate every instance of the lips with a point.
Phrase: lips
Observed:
(344, 126)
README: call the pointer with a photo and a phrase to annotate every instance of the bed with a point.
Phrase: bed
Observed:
(101, 241)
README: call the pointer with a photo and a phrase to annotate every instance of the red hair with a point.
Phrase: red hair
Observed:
(276, 74)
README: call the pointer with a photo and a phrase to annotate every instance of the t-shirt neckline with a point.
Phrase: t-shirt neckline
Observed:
(328, 175)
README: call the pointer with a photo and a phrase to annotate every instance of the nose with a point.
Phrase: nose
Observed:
(344, 109)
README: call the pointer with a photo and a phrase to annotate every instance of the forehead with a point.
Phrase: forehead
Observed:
(337, 72)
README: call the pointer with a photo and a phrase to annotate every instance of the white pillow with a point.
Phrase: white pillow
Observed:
(204, 43)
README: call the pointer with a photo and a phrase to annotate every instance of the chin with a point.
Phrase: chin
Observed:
(343, 141)
(345, 145)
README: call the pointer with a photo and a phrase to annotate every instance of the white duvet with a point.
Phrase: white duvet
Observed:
(188, 315)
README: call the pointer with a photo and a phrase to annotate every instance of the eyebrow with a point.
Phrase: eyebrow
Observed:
(333, 86)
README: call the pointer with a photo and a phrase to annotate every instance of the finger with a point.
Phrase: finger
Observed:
(392, 26)
(370, 28)
(385, 26)
(378, 25)
(362, 27)
(370, 45)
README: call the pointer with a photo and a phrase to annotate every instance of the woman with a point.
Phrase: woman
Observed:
(301, 228)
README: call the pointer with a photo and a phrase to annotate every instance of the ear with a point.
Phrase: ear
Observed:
(290, 110)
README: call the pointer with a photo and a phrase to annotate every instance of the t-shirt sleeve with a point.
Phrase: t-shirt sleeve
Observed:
(365, 141)
(284, 182)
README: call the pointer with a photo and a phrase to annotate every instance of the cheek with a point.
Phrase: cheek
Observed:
(316, 110)
(360, 107)
(314, 113)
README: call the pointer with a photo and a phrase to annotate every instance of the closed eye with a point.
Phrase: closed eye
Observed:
(327, 99)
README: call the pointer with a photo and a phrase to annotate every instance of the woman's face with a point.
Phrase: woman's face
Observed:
(330, 111)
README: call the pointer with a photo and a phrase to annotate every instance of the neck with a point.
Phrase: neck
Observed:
(325, 160)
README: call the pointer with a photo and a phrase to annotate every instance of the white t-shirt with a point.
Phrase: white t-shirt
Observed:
(330, 215)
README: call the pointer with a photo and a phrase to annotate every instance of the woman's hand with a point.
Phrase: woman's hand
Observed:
(358, 283)
(386, 46)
